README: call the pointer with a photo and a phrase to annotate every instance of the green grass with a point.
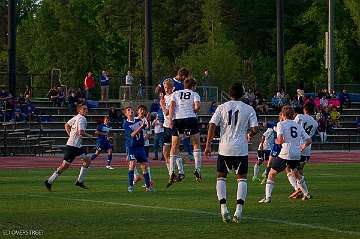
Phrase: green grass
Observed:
(102, 211)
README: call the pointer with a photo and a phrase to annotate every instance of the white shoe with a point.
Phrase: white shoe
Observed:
(265, 200)
(226, 217)
(109, 167)
(131, 189)
(236, 218)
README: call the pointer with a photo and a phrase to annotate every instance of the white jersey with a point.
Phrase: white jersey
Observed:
(76, 123)
(167, 105)
(310, 126)
(269, 139)
(234, 119)
(293, 135)
(184, 103)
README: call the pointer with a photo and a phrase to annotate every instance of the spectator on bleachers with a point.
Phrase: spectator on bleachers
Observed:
(212, 107)
(61, 97)
(158, 136)
(141, 91)
(262, 106)
(322, 126)
(333, 94)
(81, 96)
(30, 112)
(104, 84)
(344, 98)
(21, 99)
(89, 84)
(298, 102)
(129, 79)
(53, 95)
(72, 101)
(279, 100)
(250, 97)
(334, 117)
(18, 116)
(155, 107)
(324, 102)
(28, 92)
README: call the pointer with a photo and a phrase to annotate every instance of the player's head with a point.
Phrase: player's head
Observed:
(236, 91)
(129, 113)
(106, 119)
(82, 109)
(190, 83)
(168, 86)
(288, 112)
(141, 111)
(309, 109)
(182, 74)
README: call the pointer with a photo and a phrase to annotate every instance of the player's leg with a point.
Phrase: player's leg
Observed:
(166, 154)
(195, 140)
(222, 171)
(174, 151)
(241, 172)
(260, 160)
(291, 178)
(109, 158)
(132, 165)
(83, 169)
(294, 165)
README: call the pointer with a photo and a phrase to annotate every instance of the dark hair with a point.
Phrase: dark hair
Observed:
(183, 72)
(141, 107)
(288, 112)
(309, 108)
(236, 91)
(189, 83)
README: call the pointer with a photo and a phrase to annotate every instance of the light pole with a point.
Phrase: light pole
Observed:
(12, 46)
(148, 48)
(330, 47)
(280, 44)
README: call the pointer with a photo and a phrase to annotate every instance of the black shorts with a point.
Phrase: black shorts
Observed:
(263, 155)
(72, 152)
(280, 164)
(304, 159)
(167, 135)
(238, 163)
(188, 126)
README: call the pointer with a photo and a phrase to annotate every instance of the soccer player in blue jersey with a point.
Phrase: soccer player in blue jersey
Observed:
(102, 142)
(178, 81)
(134, 140)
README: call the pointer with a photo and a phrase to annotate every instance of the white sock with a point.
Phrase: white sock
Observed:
(303, 186)
(197, 157)
(136, 173)
(221, 193)
(172, 164)
(82, 174)
(53, 177)
(241, 195)
(168, 167)
(256, 170)
(292, 180)
(149, 172)
(269, 188)
(180, 164)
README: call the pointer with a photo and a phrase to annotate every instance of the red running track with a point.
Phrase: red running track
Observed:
(120, 161)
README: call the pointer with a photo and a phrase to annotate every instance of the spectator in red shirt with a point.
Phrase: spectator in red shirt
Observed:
(89, 83)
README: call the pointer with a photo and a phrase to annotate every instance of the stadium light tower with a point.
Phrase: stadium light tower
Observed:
(330, 47)
(12, 46)
(148, 47)
(280, 44)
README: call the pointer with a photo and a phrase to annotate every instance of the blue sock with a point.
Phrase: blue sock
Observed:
(93, 156)
(147, 179)
(131, 177)
(109, 159)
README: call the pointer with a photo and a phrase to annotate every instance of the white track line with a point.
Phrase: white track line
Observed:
(199, 212)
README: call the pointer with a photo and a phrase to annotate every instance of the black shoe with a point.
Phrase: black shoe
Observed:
(48, 185)
(197, 176)
(180, 177)
(172, 180)
(81, 185)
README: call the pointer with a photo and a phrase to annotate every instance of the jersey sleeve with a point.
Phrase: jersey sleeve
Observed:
(82, 123)
(71, 122)
(279, 129)
(253, 120)
(216, 118)
(297, 119)
(267, 133)
(196, 97)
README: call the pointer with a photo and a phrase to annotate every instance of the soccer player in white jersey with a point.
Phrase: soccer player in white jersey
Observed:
(310, 126)
(293, 140)
(184, 105)
(234, 118)
(266, 144)
(75, 128)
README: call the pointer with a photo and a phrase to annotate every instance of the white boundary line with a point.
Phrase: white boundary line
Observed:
(199, 212)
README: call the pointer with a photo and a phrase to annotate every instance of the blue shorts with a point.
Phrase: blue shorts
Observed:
(103, 145)
(137, 154)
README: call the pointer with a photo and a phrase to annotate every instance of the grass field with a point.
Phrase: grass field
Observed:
(186, 210)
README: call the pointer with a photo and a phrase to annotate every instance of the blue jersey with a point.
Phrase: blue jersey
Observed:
(104, 129)
(178, 85)
(138, 140)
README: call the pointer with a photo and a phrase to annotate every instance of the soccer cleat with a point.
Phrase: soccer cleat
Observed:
(131, 189)
(150, 189)
(180, 177)
(295, 194)
(307, 197)
(197, 176)
(236, 219)
(172, 180)
(255, 179)
(109, 167)
(81, 185)
(265, 200)
(226, 217)
(48, 185)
